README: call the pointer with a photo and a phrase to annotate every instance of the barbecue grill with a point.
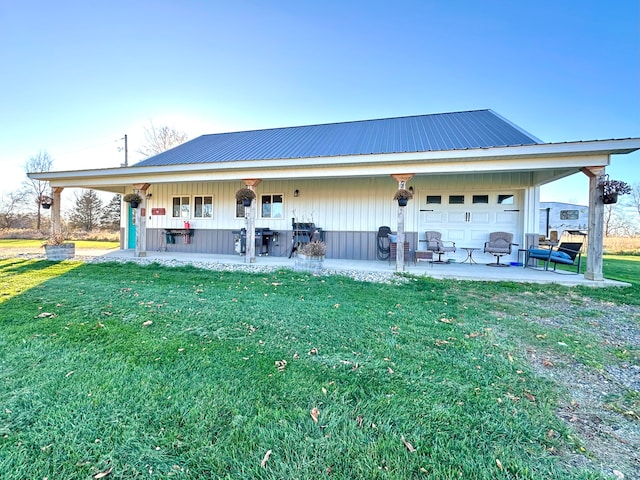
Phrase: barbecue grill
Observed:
(303, 233)
(263, 240)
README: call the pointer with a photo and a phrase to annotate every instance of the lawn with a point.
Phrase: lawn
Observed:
(121, 371)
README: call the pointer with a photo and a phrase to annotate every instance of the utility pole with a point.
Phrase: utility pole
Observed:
(126, 152)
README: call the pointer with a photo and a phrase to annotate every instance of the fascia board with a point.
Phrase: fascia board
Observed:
(452, 161)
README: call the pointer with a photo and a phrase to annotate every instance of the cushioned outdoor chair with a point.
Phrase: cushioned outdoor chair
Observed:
(567, 253)
(499, 245)
(439, 246)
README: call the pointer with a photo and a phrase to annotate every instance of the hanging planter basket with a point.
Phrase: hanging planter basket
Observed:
(403, 196)
(611, 189)
(246, 202)
(133, 199)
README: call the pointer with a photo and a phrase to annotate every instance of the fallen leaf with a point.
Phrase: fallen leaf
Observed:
(407, 444)
(499, 463)
(69, 374)
(103, 474)
(313, 351)
(324, 390)
(390, 370)
(147, 323)
(424, 470)
(281, 364)
(529, 396)
(46, 315)
(510, 357)
(264, 461)
(618, 474)
(547, 363)
(445, 320)
(296, 356)
(540, 336)
(359, 421)
(315, 413)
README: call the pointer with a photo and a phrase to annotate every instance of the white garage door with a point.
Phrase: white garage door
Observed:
(468, 218)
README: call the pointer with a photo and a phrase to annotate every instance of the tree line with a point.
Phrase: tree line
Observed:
(24, 208)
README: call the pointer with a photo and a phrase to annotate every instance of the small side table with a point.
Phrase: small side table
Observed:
(470, 251)
(423, 255)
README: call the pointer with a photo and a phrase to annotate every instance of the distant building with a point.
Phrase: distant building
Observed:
(556, 218)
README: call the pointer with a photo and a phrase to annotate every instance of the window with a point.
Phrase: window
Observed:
(239, 209)
(271, 206)
(181, 207)
(434, 199)
(505, 199)
(203, 207)
(456, 199)
(480, 199)
(569, 215)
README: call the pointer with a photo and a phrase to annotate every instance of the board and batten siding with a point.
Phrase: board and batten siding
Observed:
(350, 211)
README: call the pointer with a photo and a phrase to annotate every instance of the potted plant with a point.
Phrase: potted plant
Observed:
(246, 196)
(134, 199)
(310, 258)
(56, 248)
(403, 196)
(46, 201)
(612, 188)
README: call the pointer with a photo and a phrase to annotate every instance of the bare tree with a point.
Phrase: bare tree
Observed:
(161, 139)
(38, 189)
(634, 200)
(10, 208)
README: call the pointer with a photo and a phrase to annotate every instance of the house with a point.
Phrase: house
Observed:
(471, 172)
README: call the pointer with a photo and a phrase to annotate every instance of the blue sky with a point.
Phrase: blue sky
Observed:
(79, 75)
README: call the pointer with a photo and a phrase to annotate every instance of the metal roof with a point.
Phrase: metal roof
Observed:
(421, 133)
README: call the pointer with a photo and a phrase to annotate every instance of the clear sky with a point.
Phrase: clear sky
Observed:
(78, 75)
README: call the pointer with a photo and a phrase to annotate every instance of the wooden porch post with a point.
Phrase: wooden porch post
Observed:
(56, 223)
(595, 225)
(141, 220)
(249, 215)
(402, 180)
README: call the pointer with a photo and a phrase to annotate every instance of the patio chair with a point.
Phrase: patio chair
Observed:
(499, 245)
(439, 246)
(567, 253)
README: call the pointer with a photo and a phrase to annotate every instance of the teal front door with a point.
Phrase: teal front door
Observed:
(131, 226)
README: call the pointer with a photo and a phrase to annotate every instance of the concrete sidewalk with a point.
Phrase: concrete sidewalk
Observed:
(459, 271)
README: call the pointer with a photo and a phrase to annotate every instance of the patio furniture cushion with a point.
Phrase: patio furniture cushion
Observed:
(566, 253)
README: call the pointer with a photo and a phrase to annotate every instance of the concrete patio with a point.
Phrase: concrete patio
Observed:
(459, 271)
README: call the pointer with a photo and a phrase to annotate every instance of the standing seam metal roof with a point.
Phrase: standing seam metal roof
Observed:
(422, 133)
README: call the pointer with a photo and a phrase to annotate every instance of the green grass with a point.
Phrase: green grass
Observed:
(30, 244)
(87, 384)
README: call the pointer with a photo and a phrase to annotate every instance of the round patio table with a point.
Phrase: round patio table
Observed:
(470, 251)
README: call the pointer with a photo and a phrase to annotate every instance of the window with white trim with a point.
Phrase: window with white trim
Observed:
(203, 206)
(271, 206)
(181, 207)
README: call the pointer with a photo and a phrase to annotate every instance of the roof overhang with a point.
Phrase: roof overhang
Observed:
(568, 157)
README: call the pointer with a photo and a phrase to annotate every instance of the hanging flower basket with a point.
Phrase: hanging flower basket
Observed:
(611, 189)
(134, 199)
(46, 202)
(403, 196)
(246, 196)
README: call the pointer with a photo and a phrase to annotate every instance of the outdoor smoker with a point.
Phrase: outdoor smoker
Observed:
(303, 233)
